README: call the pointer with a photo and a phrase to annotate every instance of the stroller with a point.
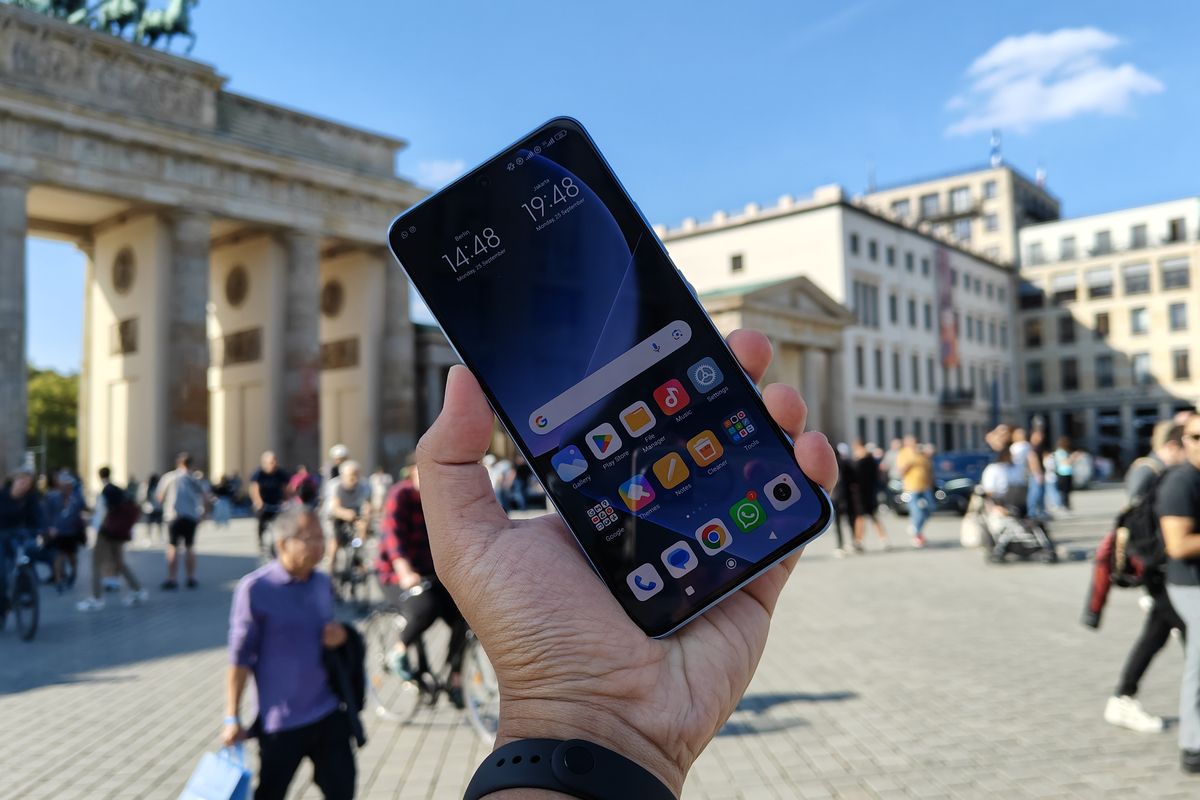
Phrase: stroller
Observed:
(1013, 533)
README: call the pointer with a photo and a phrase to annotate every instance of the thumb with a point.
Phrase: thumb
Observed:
(458, 502)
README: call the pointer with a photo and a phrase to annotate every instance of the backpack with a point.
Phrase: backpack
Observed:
(120, 517)
(1138, 534)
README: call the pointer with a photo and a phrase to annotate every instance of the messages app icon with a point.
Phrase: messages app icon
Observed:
(569, 463)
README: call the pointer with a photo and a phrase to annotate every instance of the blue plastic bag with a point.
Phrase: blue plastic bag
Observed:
(220, 776)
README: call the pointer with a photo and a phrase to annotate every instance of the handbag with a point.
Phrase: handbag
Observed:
(220, 776)
(970, 533)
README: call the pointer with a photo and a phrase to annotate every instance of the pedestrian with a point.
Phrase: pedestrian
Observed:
(338, 455)
(20, 513)
(916, 474)
(268, 488)
(1035, 471)
(223, 504)
(152, 511)
(304, 487)
(65, 529)
(184, 500)
(113, 519)
(867, 476)
(381, 482)
(280, 625)
(889, 462)
(844, 502)
(1064, 465)
(1178, 506)
(347, 508)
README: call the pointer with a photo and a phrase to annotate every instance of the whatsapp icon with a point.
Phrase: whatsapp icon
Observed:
(748, 514)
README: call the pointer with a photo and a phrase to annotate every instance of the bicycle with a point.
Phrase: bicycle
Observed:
(399, 700)
(350, 569)
(20, 584)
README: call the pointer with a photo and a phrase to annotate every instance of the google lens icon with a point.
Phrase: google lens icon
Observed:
(713, 536)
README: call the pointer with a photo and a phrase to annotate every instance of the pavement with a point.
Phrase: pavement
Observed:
(899, 674)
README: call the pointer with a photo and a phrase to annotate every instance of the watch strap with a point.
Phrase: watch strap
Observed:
(573, 767)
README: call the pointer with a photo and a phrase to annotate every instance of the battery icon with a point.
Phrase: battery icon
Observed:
(560, 135)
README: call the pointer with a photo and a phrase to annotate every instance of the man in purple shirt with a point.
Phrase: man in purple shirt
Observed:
(280, 624)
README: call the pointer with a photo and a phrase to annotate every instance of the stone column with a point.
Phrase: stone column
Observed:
(13, 379)
(816, 389)
(835, 398)
(83, 429)
(300, 416)
(186, 351)
(398, 416)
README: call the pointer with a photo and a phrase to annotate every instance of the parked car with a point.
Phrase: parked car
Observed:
(955, 475)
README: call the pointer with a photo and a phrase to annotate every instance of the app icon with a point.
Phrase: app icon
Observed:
(602, 515)
(637, 492)
(671, 470)
(603, 441)
(713, 536)
(738, 426)
(637, 419)
(541, 421)
(644, 582)
(748, 513)
(781, 492)
(705, 448)
(679, 559)
(672, 397)
(569, 463)
(705, 375)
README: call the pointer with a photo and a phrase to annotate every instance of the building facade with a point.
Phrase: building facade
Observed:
(930, 351)
(982, 209)
(1107, 321)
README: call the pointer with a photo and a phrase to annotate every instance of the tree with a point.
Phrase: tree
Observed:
(53, 411)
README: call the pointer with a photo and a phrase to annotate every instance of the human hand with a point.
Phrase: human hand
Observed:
(333, 635)
(406, 576)
(231, 734)
(570, 662)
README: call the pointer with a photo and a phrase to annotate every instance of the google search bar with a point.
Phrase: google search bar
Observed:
(594, 387)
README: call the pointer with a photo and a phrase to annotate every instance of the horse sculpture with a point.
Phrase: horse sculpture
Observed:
(114, 15)
(174, 20)
(74, 11)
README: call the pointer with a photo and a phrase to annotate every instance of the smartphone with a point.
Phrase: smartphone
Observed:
(599, 360)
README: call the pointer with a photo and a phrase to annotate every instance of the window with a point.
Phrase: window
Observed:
(1001, 294)
(908, 262)
(1103, 243)
(1030, 296)
(925, 267)
(1100, 326)
(953, 278)
(862, 429)
(896, 381)
(1063, 289)
(860, 367)
(1177, 314)
(1177, 230)
(992, 333)
(1069, 372)
(1175, 273)
(1136, 278)
(1180, 365)
(1007, 385)
(1066, 329)
(854, 243)
(972, 384)
(1137, 237)
(928, 317)
(1004, 334)
(912, 313)
(1139, 321)
(1099, 282)
(989, 189)
(962, 230)
(991, 290)
(893, 310)
(930, 375)
(970, 327)
(917, 431)
(898, 427)
(901, 208)
(866, 304)
(1141, 369)
(1035, 254)
(929, 205)
(960, 199)
(872, 250)
(878, 368)
(1033, 377)
(891, 256)
(736, 263)
(1033, 333)
(991, 222)
(1066, 248)
(1105, 377)
(881, 430)
(1181, 368)
(916, 374)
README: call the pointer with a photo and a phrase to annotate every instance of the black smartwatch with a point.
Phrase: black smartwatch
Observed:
(574, 767)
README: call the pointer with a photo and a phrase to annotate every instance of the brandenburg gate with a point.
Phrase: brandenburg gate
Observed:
(238, 297)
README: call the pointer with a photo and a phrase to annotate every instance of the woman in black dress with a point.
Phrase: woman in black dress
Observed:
(866, 496)
(843, 497)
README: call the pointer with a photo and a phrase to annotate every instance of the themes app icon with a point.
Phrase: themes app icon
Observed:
(569, 463)
(603, 441)
(637, 492)
(713, 536)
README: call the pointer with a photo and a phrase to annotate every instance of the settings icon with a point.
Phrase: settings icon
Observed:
(705, 374)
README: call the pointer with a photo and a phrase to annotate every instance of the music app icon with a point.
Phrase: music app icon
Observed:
(671, 397)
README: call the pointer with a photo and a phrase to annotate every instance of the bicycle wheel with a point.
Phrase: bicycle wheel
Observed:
(25, 602)
(341, 572)
(391, 696)
(481, 691)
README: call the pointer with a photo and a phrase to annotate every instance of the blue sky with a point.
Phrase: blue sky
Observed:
(702, 105)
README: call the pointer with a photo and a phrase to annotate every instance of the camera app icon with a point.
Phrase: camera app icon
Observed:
(782, 492)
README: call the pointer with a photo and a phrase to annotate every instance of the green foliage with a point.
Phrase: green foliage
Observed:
(53, 408)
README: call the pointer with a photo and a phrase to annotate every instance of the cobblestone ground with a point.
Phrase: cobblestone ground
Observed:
(902, 674)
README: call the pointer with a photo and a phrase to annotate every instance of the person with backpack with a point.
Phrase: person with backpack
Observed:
(1133, 555)
(184, 500)
(113, 519)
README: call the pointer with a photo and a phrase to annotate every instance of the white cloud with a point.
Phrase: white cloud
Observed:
(438, 173)
(1025, 81)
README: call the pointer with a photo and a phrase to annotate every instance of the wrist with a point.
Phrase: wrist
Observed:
(231, 719)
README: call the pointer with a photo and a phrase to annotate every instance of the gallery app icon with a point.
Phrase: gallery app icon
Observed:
(569, 463)
(671, 470)
(738, 426)
(705, 448)
(713, 537)
(679, 559)
(672, 397)
(644, 582)
(637, 492)
(637, 419)
(748, 513)
(603, 441)
(705, 375)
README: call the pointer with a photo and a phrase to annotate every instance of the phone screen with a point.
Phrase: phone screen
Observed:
(649, 439)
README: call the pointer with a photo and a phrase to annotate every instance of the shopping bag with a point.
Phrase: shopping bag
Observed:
(220, 776)
(971, 532)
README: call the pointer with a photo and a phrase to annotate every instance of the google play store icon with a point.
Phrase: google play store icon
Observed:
(603, 441)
